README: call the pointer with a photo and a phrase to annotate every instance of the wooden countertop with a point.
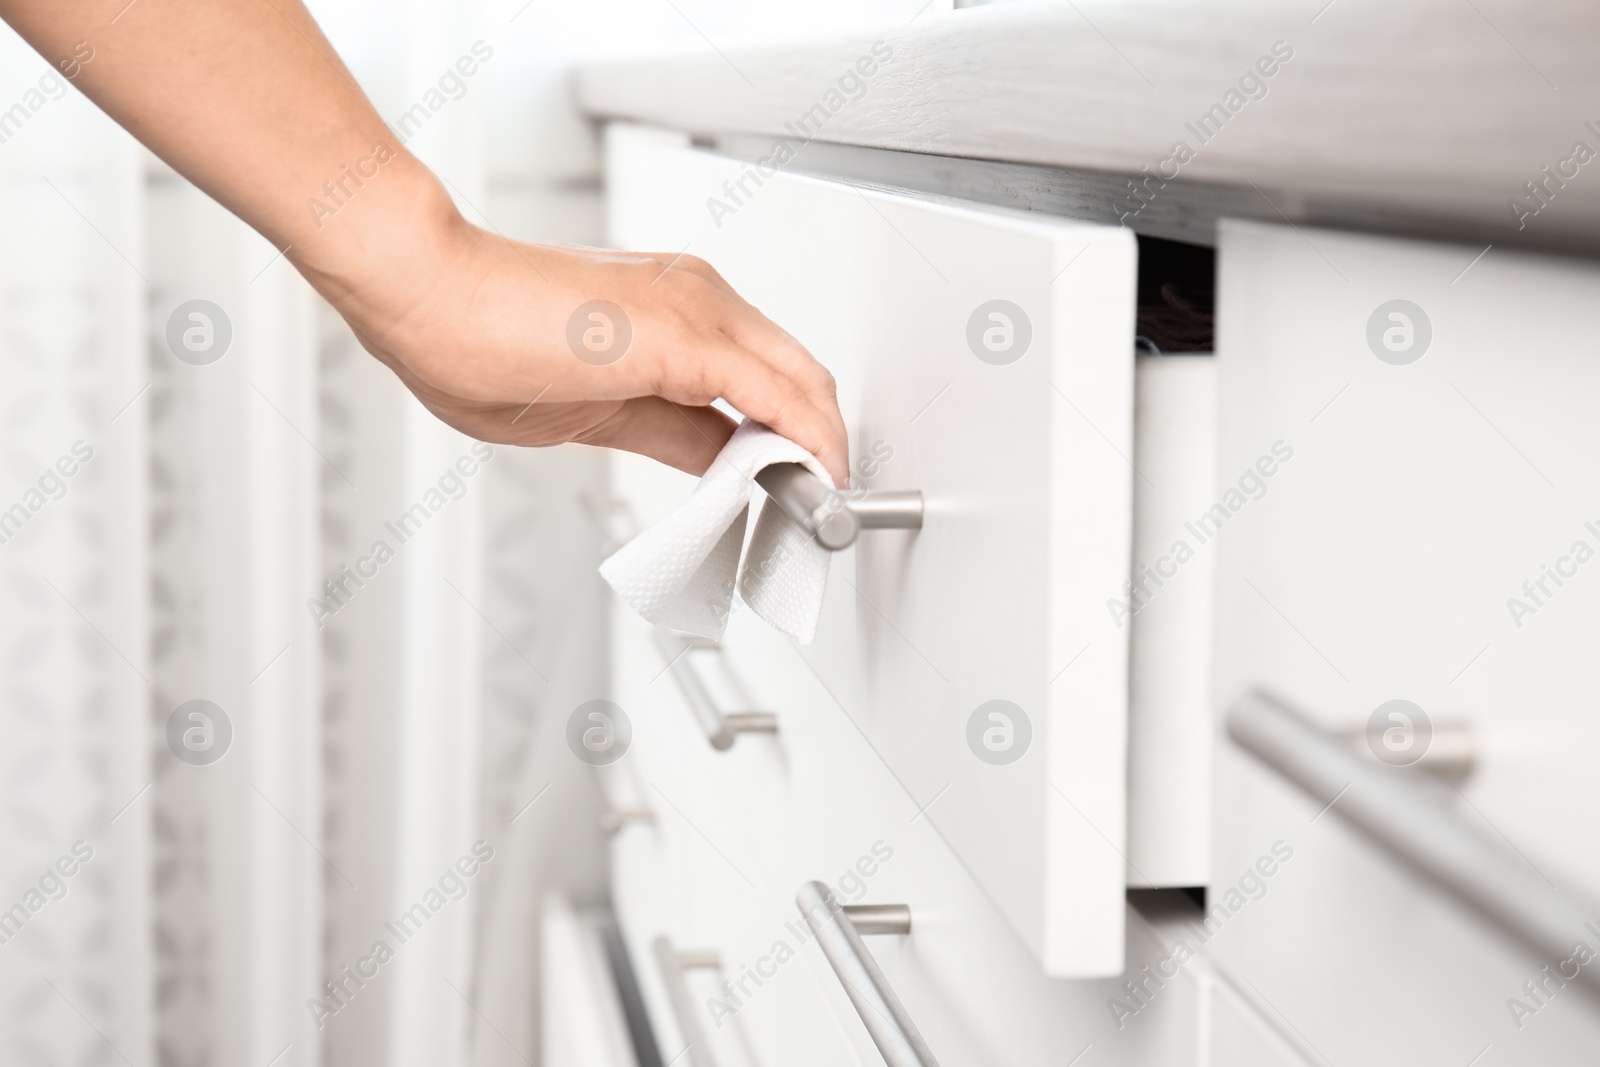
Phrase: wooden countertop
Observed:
(1424, 118)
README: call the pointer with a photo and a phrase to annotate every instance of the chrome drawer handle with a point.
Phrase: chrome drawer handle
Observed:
(673, 962)
(722, 727)
(1416, 830)
(839, 929)
(833, 517)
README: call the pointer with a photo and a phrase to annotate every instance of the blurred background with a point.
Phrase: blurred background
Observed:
(371, 721)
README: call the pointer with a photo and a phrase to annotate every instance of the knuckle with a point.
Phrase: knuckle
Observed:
(685, 286)
(687, 381)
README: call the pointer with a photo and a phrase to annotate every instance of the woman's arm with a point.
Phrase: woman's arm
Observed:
(247, 100)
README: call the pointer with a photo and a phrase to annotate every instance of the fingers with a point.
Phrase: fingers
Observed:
(506, 341)
(777, 402)
(729, 349)
(678, 435)
(763, 392)
(771, 343)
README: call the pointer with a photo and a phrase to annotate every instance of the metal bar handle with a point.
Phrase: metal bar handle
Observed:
(722, 727)
(839, 928)
(1424, 836)
(832, 517)
(673, 962)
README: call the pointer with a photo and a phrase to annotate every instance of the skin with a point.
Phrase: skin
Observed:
(247, 100)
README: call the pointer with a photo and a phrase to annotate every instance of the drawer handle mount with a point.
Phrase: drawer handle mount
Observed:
(673, 962)
(832, 517)
(839, 929)
(722, 727)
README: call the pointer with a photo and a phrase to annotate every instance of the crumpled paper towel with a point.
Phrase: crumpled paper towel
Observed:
(680, 572)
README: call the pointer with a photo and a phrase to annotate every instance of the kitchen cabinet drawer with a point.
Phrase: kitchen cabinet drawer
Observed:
(583, 1023)
(1428, 419)
(684, 875)
(746, 827)
(985, 358)
(672, 903)
(737, 831)
(968, 980)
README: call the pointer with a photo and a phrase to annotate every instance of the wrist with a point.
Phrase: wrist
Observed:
(374, 239)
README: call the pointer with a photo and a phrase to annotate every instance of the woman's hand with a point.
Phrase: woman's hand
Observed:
(542, 344)
(248, 101)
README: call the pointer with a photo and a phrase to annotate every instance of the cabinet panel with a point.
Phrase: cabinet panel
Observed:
(691, 874)
(749, 825)
(581, 1011)
(1430, 417)
(984, 358)
(1169, 616)
(1236, 1036)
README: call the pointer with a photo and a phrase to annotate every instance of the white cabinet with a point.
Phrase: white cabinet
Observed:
(984, 357)
(690, 876)
(1431, 424)
(1384, 485)
(737, 832)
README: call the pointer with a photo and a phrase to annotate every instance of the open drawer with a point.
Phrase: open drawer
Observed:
(735, 833)
(984, 358)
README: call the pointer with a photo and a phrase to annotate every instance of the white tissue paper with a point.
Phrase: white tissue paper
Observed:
(680, 572)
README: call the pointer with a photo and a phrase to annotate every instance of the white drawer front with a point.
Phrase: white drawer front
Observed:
(1380, 564)
(691, 874)
(740, 831)
(1023, 464)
